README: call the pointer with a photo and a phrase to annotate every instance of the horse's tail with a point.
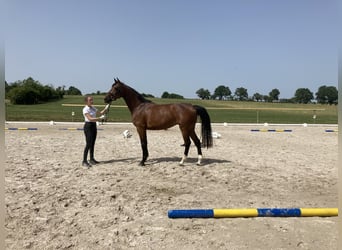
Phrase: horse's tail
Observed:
(207, 138)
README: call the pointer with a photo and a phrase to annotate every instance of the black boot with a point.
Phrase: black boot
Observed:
(93, 161)
(86, 164)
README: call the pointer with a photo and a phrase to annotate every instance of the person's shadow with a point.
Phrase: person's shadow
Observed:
(125, 160)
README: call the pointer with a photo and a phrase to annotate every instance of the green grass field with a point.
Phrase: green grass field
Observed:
(219, 111)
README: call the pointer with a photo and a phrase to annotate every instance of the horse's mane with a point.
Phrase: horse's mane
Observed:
(140, 96)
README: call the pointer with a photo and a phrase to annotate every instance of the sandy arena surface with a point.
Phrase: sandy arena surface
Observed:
(52, 202)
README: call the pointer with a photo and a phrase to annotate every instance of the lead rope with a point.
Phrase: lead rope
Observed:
(106, 115)
(107, 112)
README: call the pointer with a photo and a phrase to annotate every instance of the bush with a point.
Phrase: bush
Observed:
(23, 95)
(30, 91)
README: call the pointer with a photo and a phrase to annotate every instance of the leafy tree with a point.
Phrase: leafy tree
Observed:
(203, 93)
(61, 91)
(257, 97)
(73, 91)
(274, 95)
(46, 93)
(7, 87)
(303, 95)
(165, 95)
(171, 96)
(10, 86)
(241, 94)
(222, 92)
(327, 94)
(266, 98)
(175, 96)
(146, 95)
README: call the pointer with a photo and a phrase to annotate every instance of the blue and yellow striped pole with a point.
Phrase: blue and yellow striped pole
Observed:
(331, 130)
(252, 212)
(78, 129)
(271, 130)
(21, 128)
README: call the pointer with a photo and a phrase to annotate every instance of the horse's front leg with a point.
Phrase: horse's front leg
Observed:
(143, 142)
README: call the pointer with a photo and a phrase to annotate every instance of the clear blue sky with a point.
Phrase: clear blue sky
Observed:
(176, 46)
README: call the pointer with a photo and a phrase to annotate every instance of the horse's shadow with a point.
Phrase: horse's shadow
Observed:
(190, 160)
(153, 161)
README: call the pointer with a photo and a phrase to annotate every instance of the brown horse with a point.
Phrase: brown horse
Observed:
(148, 115)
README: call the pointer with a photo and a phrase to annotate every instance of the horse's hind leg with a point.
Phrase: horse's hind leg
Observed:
(187, 143)
(198, 145)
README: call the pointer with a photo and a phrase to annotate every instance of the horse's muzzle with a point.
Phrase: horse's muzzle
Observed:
(108, 100)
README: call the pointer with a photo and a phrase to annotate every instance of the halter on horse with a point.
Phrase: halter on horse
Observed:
(148, 115)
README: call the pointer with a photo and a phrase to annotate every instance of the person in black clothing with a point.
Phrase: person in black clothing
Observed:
(90, 129)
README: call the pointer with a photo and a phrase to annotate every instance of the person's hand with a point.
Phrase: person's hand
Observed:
(102, 117)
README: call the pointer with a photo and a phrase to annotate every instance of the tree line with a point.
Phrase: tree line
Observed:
(30, 91)
(324, 95)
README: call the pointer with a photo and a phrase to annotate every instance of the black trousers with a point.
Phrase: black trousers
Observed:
(90, 132)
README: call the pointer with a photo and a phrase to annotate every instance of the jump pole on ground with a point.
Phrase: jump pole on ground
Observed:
(252, 212)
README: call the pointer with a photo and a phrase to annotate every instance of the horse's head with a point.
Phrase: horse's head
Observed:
(115, 92)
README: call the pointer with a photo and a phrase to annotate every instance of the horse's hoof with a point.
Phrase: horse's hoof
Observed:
(141, 164)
